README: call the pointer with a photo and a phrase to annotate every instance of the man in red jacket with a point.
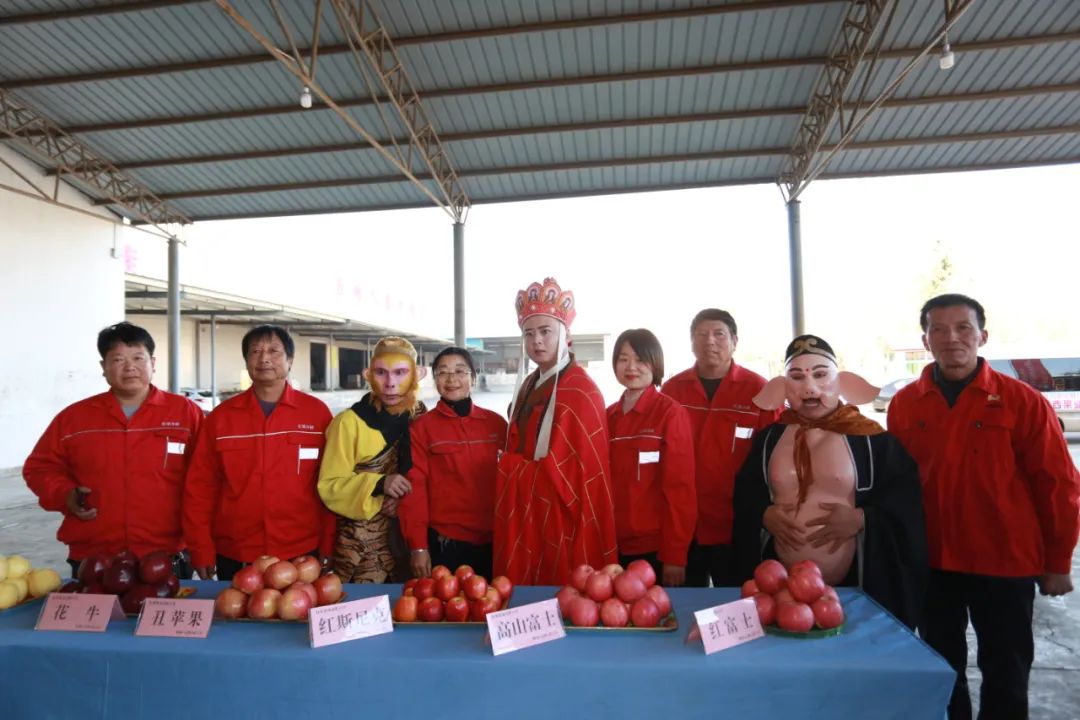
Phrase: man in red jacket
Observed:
(717, 395)
(114, 463)
(1001, 497)
(250, 490)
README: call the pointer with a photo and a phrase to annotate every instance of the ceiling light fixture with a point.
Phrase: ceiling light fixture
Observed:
(305, 97)
(947, 58)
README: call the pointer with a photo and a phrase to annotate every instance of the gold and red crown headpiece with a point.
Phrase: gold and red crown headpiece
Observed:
(545, 299)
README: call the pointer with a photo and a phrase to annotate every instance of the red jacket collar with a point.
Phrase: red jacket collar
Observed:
(735, 373)
(443, 409)
(985, 379)
(644, 403)
(288, 397)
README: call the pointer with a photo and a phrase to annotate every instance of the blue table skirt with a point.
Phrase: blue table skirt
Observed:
(875, 669)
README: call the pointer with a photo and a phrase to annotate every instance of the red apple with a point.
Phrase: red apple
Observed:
(504, 586)
(584, 612)
(155, 567)
(424, 588)
(308, 568)
(457, 609)
(644, 613)
(564, 596)
(766, 608)
(307, 588)
(440, 571)
(280, 575)
(600, 586)
(265, 561)
(479, 609)
(578, 576)
(263, 603)
(446, 587)
(295, 604)
(630, 587)
(474, 587)
(248, 579)
(405, 609)
(805, 566)
(328, 588)
(659, 596)
(118, 578)
(795, 617)
(613, 569)
(97, 589)
(828, 613)
(71, 586)
(644, 570)
(91, 569)
(124, 557)
(783, 596)
(770, 576)
(830, 592)
(463, 572)
(231, 603)
(806, 586)
(174, 584)
(749, 589)
(131, 602)
(613, 613)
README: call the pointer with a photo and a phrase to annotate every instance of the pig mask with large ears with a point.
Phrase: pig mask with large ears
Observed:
(848, 385)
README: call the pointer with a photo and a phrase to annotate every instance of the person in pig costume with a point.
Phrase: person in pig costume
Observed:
(827, 484)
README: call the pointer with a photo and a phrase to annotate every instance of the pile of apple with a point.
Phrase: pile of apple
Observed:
(795, 601)
(19, 581)
(284, 589)
(614, 597)
(459, 596)
(131, 578)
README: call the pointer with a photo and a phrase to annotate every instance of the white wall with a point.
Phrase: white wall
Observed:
(59, 285)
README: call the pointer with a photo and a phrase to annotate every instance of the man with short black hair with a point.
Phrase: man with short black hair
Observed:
(718, 395)
(251, 490)
(1001, 496)
(114, 463)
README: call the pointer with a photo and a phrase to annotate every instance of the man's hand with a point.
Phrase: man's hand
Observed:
(389, 506)
(75, 505)
(1054, 584)
(396, 486)
(206, 572)
(786, 532)
(674, 575)
(839, 523)
(420, 562)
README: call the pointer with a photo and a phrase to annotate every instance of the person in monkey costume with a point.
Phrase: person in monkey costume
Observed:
(830, 485)
(362, 478)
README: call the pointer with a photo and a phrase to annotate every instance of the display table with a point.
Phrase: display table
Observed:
(875, 669)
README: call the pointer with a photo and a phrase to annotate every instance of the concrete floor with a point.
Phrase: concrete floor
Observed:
(1055, 678)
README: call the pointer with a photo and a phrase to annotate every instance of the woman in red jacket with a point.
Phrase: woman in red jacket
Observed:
(652, 462)
(447, 518)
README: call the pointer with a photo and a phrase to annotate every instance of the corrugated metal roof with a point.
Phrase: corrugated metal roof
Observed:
(562, 98)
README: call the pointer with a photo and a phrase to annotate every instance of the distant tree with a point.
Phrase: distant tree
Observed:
(936, 280)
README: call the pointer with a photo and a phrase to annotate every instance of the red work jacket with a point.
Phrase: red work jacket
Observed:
(454, 460)
(1000, 491)
(250, 489)
(722, 429)
(652, 476)
(134, 469)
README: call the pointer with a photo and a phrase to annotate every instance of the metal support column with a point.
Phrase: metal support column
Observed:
(459, 284)
(174, 314)
(213, 361)
(798, 324)
(331, 378)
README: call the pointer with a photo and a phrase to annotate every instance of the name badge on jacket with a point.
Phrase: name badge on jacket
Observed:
(311, 453)
(646, 457)
(743, 433)
(175, 448)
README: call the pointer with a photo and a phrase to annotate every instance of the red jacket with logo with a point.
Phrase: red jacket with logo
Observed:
(250, 489)
(134, 469)
(652, 476)
(722, 429)
(454, 460)
(1001, 494)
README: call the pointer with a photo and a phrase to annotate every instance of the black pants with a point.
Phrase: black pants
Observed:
(227, 567)
(715, 562)
(181, 565)
(453, 553)
(657, 566)
(1000, 610)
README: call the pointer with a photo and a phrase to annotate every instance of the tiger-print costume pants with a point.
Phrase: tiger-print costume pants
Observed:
(370, 551)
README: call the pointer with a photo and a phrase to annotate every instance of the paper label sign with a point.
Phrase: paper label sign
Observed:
(333, 624)
(78, 613)
(521, 627)
(728, 625)
(170, 617)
